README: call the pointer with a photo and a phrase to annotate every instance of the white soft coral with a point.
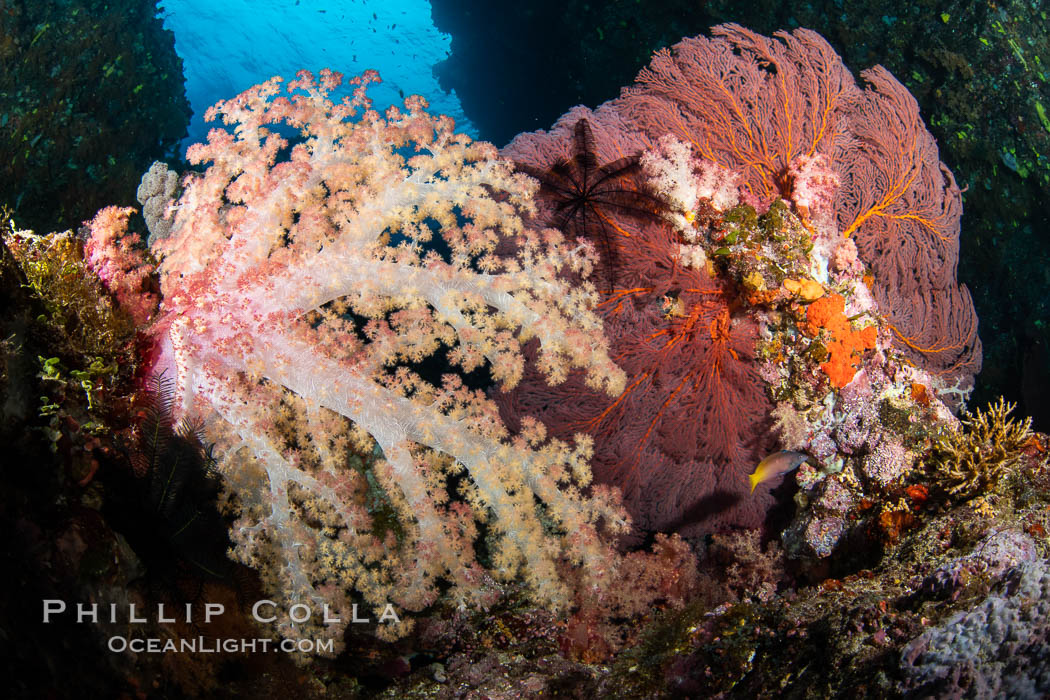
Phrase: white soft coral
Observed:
(299, 290)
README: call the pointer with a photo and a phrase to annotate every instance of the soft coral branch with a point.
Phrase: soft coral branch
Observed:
(300, 286)
(120, 262)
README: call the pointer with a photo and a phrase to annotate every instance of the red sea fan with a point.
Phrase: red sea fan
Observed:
(614, 138)
(760, 106)
(746, 102)
(902, 206)
(691, 423)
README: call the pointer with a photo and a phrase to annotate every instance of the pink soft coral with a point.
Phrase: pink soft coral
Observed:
(119, 260)
(299, 294)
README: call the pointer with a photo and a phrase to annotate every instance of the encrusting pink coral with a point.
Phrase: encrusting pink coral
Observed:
(304, 282)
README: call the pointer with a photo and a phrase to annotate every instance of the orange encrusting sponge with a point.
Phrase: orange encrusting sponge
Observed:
(844, 344)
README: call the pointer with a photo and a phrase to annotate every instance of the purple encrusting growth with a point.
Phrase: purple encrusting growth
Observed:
(824, 526)
(822, 534)
(992, 557)
(834, 497)
(999, 648)
(860, 416)
(887, 462)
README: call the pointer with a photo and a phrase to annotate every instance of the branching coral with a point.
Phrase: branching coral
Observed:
(752, 569)
(972, 460)
(120, 262)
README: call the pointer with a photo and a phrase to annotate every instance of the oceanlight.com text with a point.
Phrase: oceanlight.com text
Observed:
(203, 645)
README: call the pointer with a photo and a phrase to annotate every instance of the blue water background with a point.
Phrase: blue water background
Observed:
(230, 45)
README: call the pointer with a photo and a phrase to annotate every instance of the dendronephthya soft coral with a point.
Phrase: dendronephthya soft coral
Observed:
(305, 283)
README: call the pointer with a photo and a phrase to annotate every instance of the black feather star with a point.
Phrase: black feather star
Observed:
(179, 484)
(585, 196)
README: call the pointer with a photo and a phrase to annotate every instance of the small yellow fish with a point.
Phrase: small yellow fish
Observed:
(774, 465)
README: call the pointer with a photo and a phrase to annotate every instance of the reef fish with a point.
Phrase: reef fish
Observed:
(774, 465)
